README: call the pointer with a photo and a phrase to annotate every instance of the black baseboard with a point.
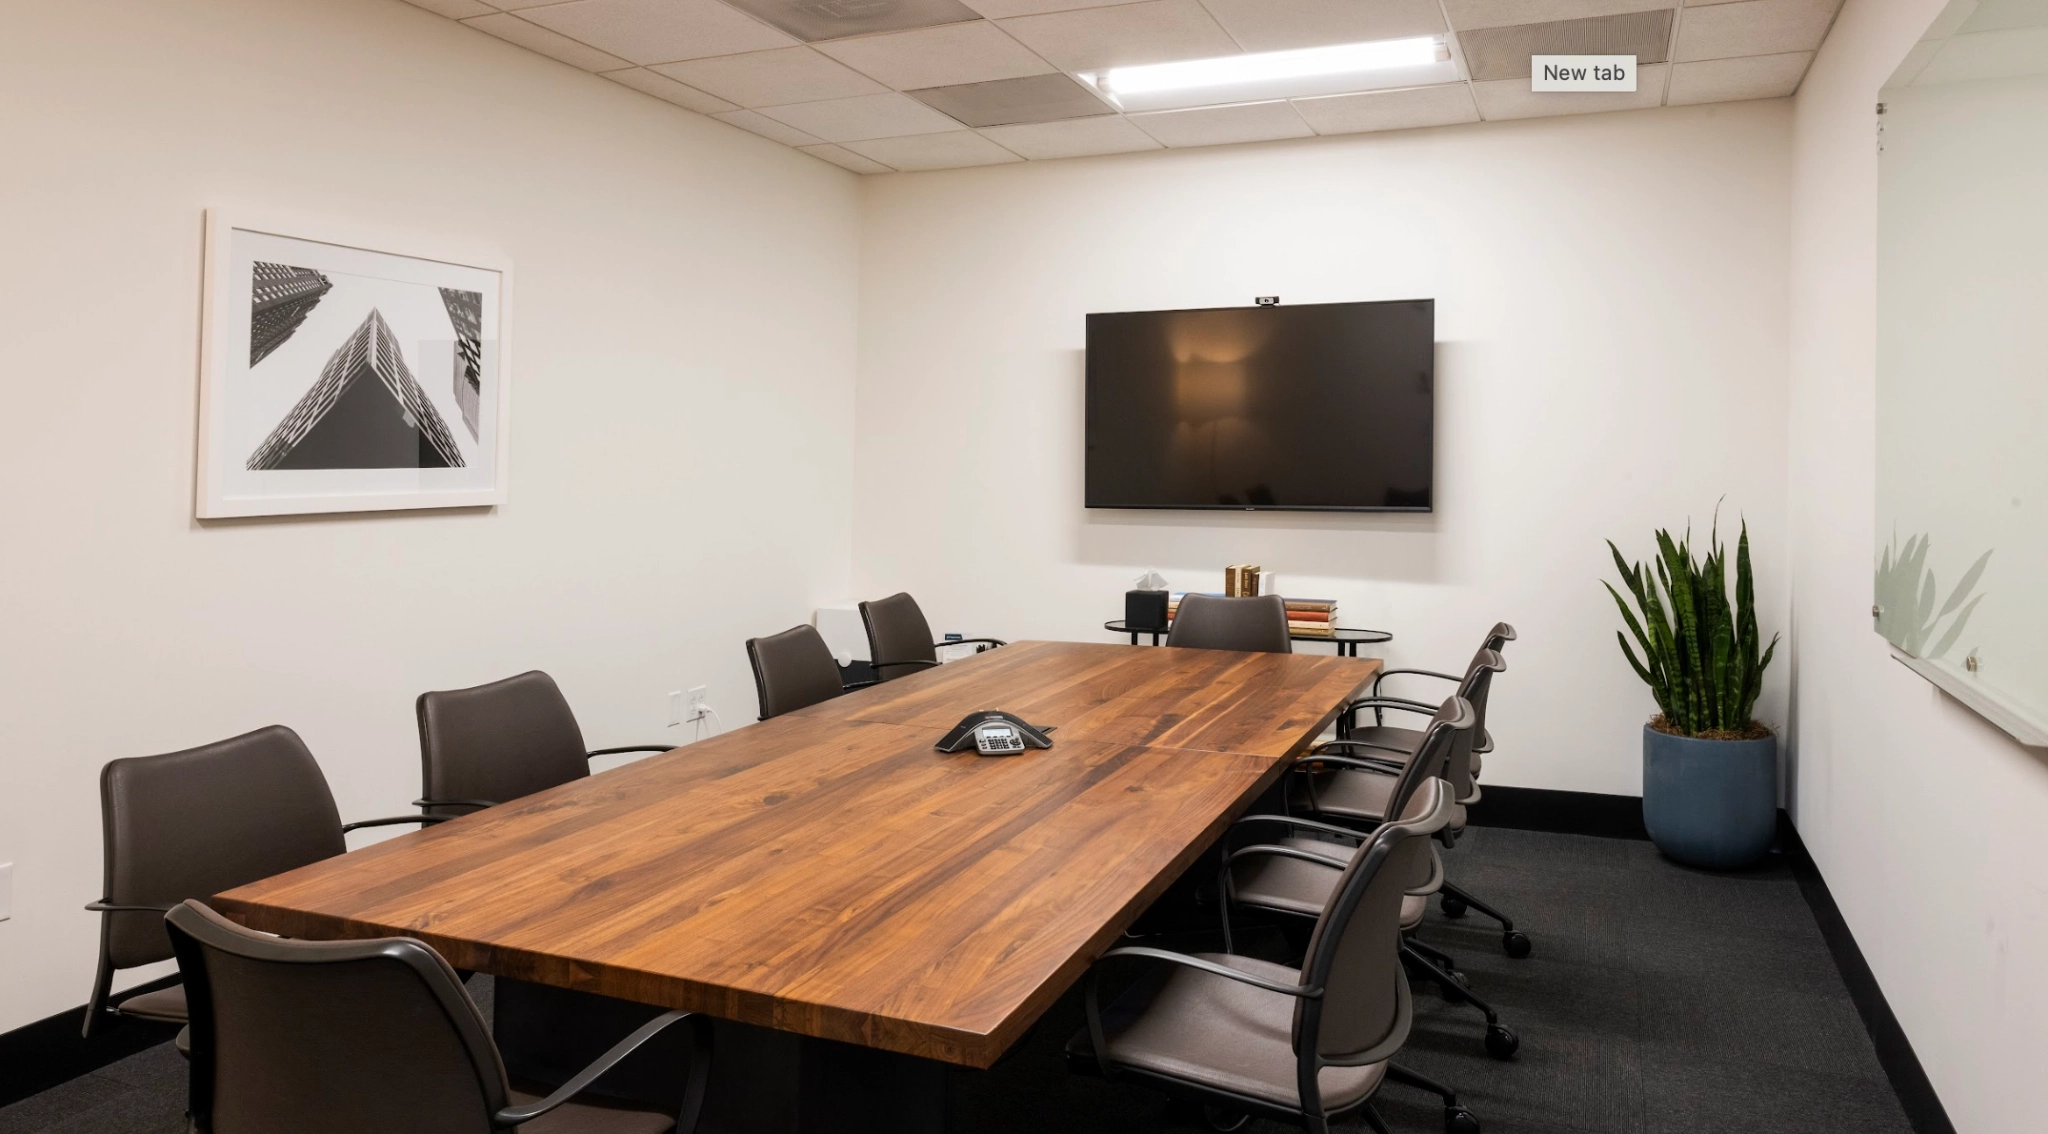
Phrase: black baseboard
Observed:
(38, 1056)
(1894, 1051)
(1559, 812)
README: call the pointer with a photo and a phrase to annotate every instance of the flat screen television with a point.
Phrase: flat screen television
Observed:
(1324, 407)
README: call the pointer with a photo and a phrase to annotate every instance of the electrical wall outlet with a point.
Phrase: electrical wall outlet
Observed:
(675, 708)
(6, 890)
(697, 694)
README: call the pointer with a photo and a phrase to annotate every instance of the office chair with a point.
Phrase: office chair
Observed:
(327, 1037)
(1248, 1037)
(487, 744)
(1209, 622)
(900, 640)
(794, 670)
(191, 824)
(1391, 745)
(1294, 875)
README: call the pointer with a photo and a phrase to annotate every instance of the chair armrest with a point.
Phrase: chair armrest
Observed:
(884, 664)
(476, 803)
(110, 907)
(1317, 752)
(1389, 703)
(629, 748)
(1308, 824)
(1096, 1038)
(1386, 673)
(850, 686)
(1274, 851)
(1344, 762)
(514, 1115)
(395, 820)
(968, 642)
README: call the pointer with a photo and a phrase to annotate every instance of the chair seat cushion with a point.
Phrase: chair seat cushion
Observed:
(1291, 885)
(593, 1116)
(165, 1004)
(1344, 792)
(1212, 1031)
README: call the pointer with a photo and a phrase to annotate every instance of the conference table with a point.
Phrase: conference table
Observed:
(857, 911)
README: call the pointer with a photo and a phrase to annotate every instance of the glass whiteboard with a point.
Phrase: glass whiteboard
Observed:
(1962, 361)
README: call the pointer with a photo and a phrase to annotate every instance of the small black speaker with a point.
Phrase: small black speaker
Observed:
(1145, 610)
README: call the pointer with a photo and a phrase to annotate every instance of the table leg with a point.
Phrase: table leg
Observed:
(762, 1081)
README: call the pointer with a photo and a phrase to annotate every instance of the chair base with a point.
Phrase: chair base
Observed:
(1456, 901)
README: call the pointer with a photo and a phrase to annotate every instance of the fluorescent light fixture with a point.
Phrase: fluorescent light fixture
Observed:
(1272, 66)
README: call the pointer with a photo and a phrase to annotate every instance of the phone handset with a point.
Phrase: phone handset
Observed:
(992, 732)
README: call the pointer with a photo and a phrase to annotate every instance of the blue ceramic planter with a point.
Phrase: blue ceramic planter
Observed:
(1710, 803)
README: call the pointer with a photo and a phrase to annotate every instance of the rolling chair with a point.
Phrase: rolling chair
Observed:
(794, 670)
(1254, 625)
(1248, 1037)
(900, 640)
(1294, 874)
(487, 744)
(328, 1037)
(193, 823)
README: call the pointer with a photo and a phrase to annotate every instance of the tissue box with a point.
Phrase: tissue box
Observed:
(1145, 610)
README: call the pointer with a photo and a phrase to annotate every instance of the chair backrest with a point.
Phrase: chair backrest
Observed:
(897, 632)
(191, 824)
(1209, 622)
(327, 1037)
(498, 742)
(1354, 951)
(1499, 636)
(1478, 682)
(1448, 733)
(793, 669)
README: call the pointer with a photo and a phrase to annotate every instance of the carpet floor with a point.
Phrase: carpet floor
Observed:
(1658, 1000)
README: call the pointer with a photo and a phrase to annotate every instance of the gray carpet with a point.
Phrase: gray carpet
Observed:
(1659, 1000)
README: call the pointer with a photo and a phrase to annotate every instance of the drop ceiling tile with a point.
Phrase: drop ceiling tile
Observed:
(535, 38)
(978, 52)
(1503, 53)
(659, 31)
(813, 20)
(844, 158)
(1278, 25)
(1389, 110)
(1753, 27)
(454, 9)
(1006, 102)
(754, 122)
(668, 90)
(773, 78)
(935, 151)
(1003, 9)
(1731, 80)
(1512, 98)
(1158, 31)
(1076, 137)
(1504, 13)
(858, 119)
(1222, 125)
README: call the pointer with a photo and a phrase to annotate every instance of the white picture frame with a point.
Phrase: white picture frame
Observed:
(338, 375)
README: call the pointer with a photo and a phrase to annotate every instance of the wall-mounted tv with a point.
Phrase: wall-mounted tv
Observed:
(1316, 407)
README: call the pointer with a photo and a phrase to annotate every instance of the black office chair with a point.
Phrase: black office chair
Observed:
(191, 824)
(1209, 622)
(794, 670)
(487, 744)
(1248, 1037)
(900, 640)
(346, 1037)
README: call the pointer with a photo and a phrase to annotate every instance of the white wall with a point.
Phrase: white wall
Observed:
(682, 381)
(1611, 317)
(1926, 821)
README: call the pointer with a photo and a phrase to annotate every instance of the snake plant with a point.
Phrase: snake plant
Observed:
(1699, 657)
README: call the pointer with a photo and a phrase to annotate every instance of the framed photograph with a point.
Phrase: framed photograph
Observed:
(337, 376)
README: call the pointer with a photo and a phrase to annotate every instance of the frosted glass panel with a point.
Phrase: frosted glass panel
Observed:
(1961, 588)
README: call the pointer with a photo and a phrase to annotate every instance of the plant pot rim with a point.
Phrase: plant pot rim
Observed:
(1769, 734)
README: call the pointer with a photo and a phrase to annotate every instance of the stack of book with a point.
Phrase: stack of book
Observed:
(1306, 618)
(1241, 580)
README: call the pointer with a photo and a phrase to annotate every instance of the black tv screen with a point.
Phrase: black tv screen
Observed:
(1317, 407)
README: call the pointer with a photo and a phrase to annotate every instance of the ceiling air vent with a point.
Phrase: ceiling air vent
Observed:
(813, 20)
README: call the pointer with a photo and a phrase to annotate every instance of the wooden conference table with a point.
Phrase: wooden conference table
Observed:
(828, 875)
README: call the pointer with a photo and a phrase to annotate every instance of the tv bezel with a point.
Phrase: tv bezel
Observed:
(1430, 509)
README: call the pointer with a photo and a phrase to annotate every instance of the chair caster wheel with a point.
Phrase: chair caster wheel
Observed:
(1516, 943)
(1501, 1043)
(1458, 979)
(1454, 907)
(1226, 1120)
(1458, 1120)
